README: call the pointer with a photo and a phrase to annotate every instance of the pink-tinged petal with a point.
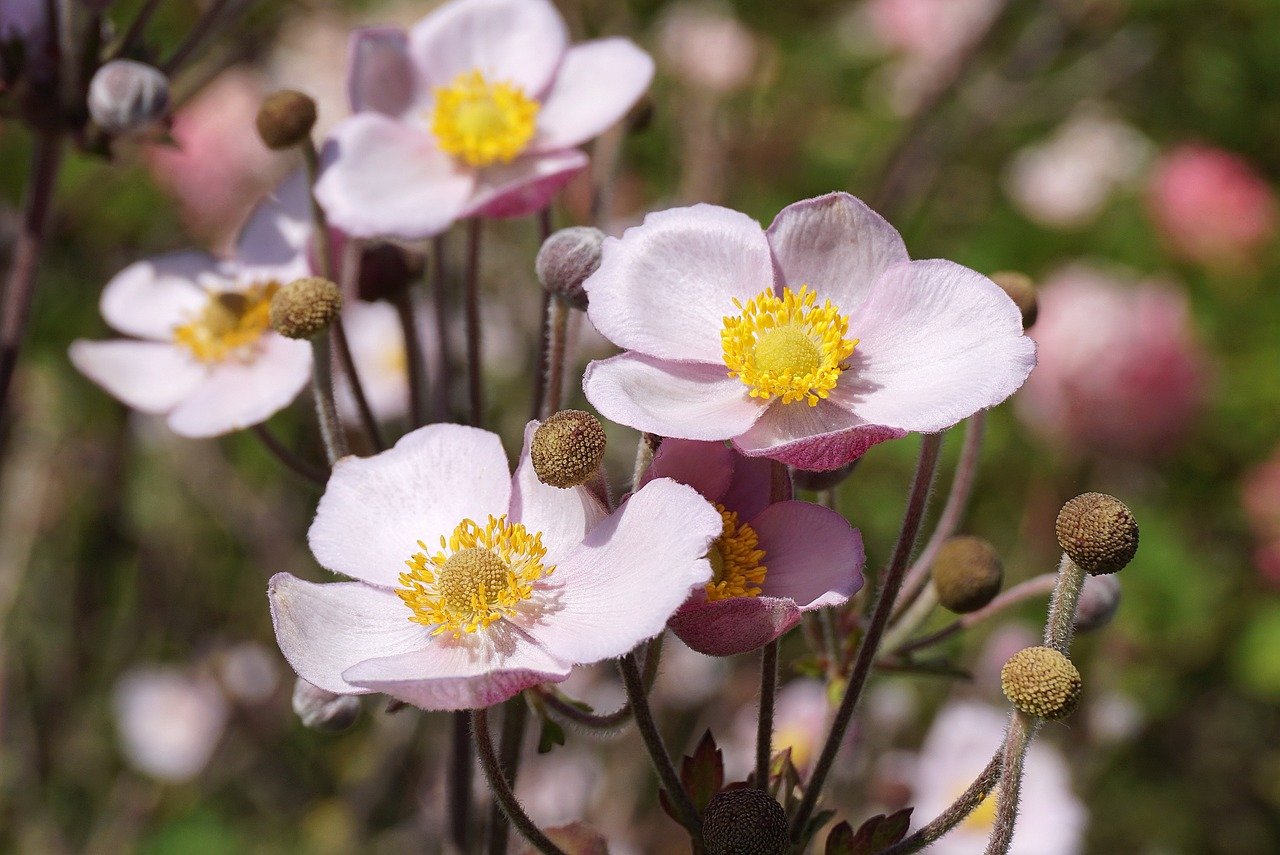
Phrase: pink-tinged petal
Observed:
(471, 672)
(149, 298)
(813, 555)
(665, 288)
(563, 516)
(734, 625)
(238, 395)
(938, 343)
(149, 376)
(705, 466)
(376, 509)
(510, 41)
(524, 186)
(596, 85)
(814, 438)
(751, 489)
(680, 399)
(836, 245)
(272, 246)
(628, 577)
(325, 629)
(384, 177)
(381, 77)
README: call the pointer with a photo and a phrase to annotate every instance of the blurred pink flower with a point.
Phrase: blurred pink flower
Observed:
(447, 613)
(773, 560)
(1211, 205)
(1120, 371)
(219, 166)
(807, 343)
(169, 722)
(1260, 496)
(707, 47)
(477, 111)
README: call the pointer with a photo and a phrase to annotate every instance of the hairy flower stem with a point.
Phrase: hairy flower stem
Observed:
(471, 294)
(676, 793)
(458, 795)
(959, 810)
(540, 378)
(415, 358)
(20, 286)
(443, 393)
(515, 713)
(764, 726)
(1016, 740)
(555, 355)
(501, 789)
(1060, 628)
(952, 512)
(922, 481)
(291, 461)
(335, 441)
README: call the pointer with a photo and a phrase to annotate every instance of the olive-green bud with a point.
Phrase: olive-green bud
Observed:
(322, 710)
(567, 448)
(744, 821)
(286, 118)
(1098, 532)
(967, 574)
(565, 261)
(305, 307)
(1022, 291)
(1042, 682)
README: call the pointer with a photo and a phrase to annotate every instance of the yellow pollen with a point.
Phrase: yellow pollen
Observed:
(229, 324)
(482, 122)
(787, 346)
(735, 559)
(479, 576)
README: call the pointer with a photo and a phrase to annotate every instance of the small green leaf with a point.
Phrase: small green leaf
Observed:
(552, 735)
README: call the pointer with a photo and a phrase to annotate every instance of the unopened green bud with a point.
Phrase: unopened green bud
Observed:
(967, 574)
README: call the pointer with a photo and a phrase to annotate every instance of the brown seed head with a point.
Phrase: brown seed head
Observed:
(567, 448)
(1098, 533)
(305, 307)
(286, 118)
(1042, 682)
(745, 821)
(1022, 291)
(967, 574)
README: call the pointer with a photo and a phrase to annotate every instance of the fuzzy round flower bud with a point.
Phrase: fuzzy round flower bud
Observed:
(1022, 291)
(967, 574)
(1042, 682)
(286, 118)
(325, 711)
(305, 307)
(127, 96)
(745, 821)
(567, 448)
(1099, 602)
(565, 261)
(1098, 532)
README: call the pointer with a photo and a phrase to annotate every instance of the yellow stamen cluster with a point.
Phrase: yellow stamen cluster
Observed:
(482, 122)
(787, 346)
(735, 560)
(479, 576)
(229, 324)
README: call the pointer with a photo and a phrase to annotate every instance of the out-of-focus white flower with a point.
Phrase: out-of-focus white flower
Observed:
(1066, 180)
(169, 723)
(706, 46)
(687, 678)
(248, 672)
(128, 97)
(558, 788)
(377, 346)
(310, 55)
(1114, 717)
(962, 740)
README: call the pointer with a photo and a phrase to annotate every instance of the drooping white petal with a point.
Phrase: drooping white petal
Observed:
(596, 85)
(149, 376)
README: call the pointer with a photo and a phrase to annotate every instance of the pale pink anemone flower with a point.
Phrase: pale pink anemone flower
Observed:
(475, 112)
(471, 585)
(202, 352)
(1121, 371)
(169, 722)
(1212, 206)
(807, 343)
(774, 559)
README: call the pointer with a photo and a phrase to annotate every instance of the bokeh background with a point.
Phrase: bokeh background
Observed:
(1122, 153)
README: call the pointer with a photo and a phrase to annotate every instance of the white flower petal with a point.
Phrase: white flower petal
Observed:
(524, 186)
(149, 376)
(562, 516)
(596, 85)
(380, 75)
(150, 297)
(273, 244)
(237, 395)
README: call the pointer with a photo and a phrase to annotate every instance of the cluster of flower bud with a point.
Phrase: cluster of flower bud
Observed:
(567, 448)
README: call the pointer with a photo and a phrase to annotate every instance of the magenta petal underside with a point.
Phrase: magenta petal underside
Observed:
(734, 625)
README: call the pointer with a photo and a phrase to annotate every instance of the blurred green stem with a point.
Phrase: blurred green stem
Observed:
(291, 461)
(460, 771)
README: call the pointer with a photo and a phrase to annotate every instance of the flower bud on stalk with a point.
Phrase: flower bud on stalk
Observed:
(565, 261)
(286, 119)
(1099, 602)
(567, 448)
(305, 307)
(1098, 532)
(324, 711)
(967, 574)
(127, 96)
(1022, 291)
(745, 821)
(1042, 682)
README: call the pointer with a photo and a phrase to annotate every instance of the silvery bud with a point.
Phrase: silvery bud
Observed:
(127, 96)
(322, 710)
(565, 261)
(1099, 602)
